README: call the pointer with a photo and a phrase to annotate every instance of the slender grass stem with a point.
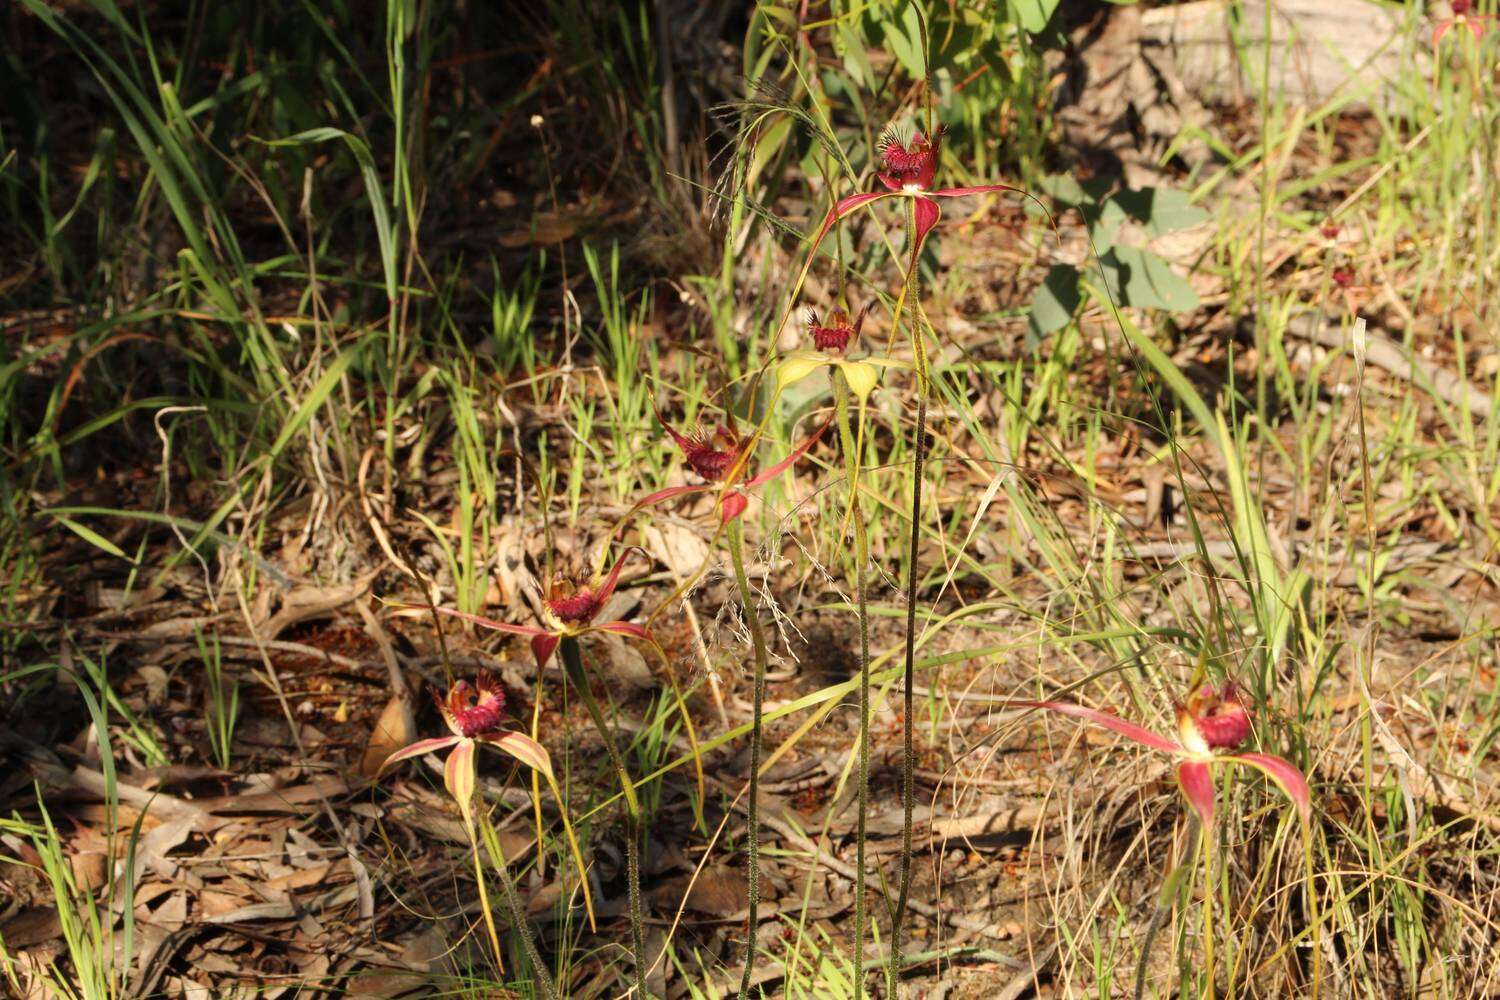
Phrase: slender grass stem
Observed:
(757, 737)
(862, 786)
(573, 662)
(908, 741)
(484, 906)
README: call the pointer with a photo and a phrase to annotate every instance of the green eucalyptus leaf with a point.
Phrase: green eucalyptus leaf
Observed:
(1032, 15)
(1141, 279)
(1056, 301)
(1158, 209)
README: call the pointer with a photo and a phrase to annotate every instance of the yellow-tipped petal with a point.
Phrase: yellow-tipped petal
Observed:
(796, 367)
(862, 378)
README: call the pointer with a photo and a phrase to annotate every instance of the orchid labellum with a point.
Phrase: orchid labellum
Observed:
(1209, 722)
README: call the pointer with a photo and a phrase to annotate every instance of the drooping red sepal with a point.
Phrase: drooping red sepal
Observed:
(1197, 780)
(926, 214)
(732, 506)
(542, 647)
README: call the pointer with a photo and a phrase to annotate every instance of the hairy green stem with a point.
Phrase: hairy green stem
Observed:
(517, 911)
(752, 809)
(909, 752)
(573, 661)
(862, 786)
(1165, 900)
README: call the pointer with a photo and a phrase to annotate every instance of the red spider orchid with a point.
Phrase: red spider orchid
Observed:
(909, 162)
(569, 609)
(474, 714)
(719, 458)
(1211, 720)
(832, 338)
(1463, 16)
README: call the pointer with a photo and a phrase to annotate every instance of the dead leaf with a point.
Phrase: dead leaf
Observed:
(717, 892)
(681, 548)
(300, 878)
(619, 661)
(90, 869)
(546, 228)
(31, 927)
(393, 730)
(305, 603)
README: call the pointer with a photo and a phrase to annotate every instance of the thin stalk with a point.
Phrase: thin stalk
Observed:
(1367, 668)
(861, 556)
(1208, 909)
(1166, 899)
(517, 911)
(484, 906)
(757, 738)
(573, 662)
(909, 754)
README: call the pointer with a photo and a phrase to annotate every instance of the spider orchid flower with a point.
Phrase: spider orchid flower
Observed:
(474, 714)
(831, 340)
(908, 168)
(1209, 722)
(719, 458)
(1463, 16)
(569, 609)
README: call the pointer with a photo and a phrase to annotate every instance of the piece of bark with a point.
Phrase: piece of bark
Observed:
(1319, 49)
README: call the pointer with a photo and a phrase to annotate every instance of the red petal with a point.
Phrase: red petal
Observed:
(981, 189)
(859, 321)
(607, 587)
(667, 494)
(733, 505)
(840, 209)
(1285, 774)
(1130, 730)
(417, 749)
(786, 463)
(1197, 780)
(458, 776)
(927, 215)
(542, 647)
(481, 621)
(626, 628)
(682, 441)
(523, 748)
(848, 205)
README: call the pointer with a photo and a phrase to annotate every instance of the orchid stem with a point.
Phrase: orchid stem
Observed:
(518, 921)
(757, 736)
(1208, 910)
(573, 661)
(861, 556)
(1164, 903)
(909, 753)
